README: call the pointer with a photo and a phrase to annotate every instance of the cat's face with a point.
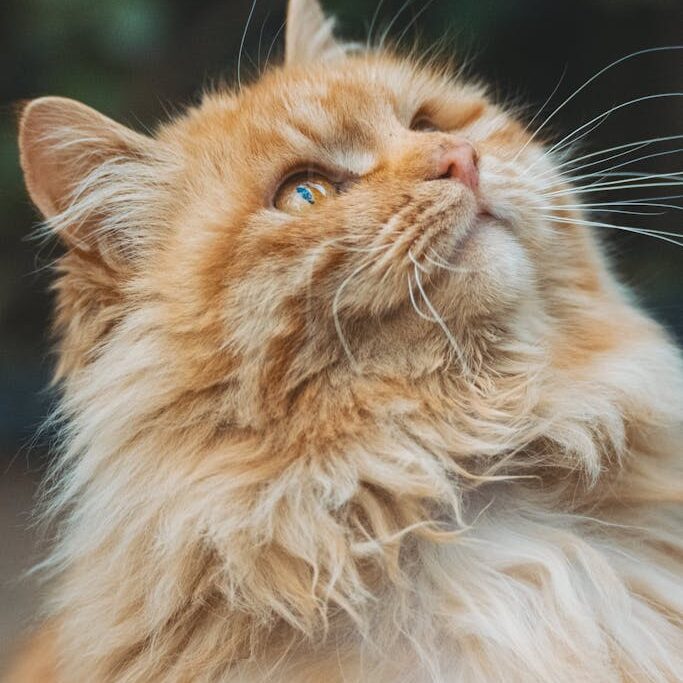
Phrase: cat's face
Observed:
(357, 187)
(363, 208)
(346, 212)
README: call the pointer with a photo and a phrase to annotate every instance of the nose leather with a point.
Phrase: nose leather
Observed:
(459, 161)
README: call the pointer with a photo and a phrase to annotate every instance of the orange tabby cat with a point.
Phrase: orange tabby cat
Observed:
(349, 394)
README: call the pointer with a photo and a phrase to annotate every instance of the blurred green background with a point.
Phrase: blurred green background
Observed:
(139, 60)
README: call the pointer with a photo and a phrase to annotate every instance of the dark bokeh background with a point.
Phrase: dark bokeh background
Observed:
(138, 60)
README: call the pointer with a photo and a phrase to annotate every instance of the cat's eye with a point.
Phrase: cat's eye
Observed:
(423, 124)
(304, 190)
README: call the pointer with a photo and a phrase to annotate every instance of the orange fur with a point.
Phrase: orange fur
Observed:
(278, 466)
(36, 662)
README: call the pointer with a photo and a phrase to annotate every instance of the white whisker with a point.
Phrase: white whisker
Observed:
(273, 42)
(414, 303)
(675, 175)
(627, 202)
(593, 209)
(611, 170)
(417, 263)
(601, 117)
(241, 50)
(629, 148)
(602, 175)
(412, 22)
(571, 162)
(665, 197)
(361, 250)
(591, 80)
(335, 312)
(438, 319)
(441, 263)
(547, 101)
(633, 183)
(656, 234)
(260, 41)
(565, 144)
(375, 16)
(395, 18)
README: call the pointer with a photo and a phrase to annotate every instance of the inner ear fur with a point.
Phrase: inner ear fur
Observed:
(61, 142)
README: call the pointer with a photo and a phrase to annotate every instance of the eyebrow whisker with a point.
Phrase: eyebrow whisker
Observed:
(273, 42)
(394, 19)
(241, 50)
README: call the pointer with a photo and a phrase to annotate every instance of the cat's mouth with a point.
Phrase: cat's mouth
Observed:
(444, 234)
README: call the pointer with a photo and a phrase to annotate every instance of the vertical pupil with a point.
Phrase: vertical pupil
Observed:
(305, 193)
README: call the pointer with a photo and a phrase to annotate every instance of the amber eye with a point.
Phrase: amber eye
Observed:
(303, 191)
(423, 124)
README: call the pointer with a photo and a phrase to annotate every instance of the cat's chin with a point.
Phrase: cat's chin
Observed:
(453, 241)
(467, 240)
(488, 270)
(464, 245)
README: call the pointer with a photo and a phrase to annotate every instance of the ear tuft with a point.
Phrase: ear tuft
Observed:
(100, 186)
(310, 35)
(61, 141)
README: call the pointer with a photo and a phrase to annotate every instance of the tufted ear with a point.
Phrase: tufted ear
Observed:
(309, 33)
(91, 178)
(103, 189)
(61, 142)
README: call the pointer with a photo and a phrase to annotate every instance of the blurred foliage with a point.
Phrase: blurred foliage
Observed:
(138, 60)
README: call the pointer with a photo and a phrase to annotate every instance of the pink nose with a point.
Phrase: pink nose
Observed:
(459, 161)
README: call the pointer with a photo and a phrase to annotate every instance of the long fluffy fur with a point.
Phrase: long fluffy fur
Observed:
(241, 496)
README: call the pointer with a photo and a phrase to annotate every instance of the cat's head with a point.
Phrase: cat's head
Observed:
(350, 213)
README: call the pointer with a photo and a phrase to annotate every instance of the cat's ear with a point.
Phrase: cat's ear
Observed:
(310, 35)
(92, 179)
(102, 188)
(61, 142)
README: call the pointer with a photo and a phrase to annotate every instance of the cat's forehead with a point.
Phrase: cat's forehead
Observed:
(323, 103)
(336, 112)
(341, 93)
